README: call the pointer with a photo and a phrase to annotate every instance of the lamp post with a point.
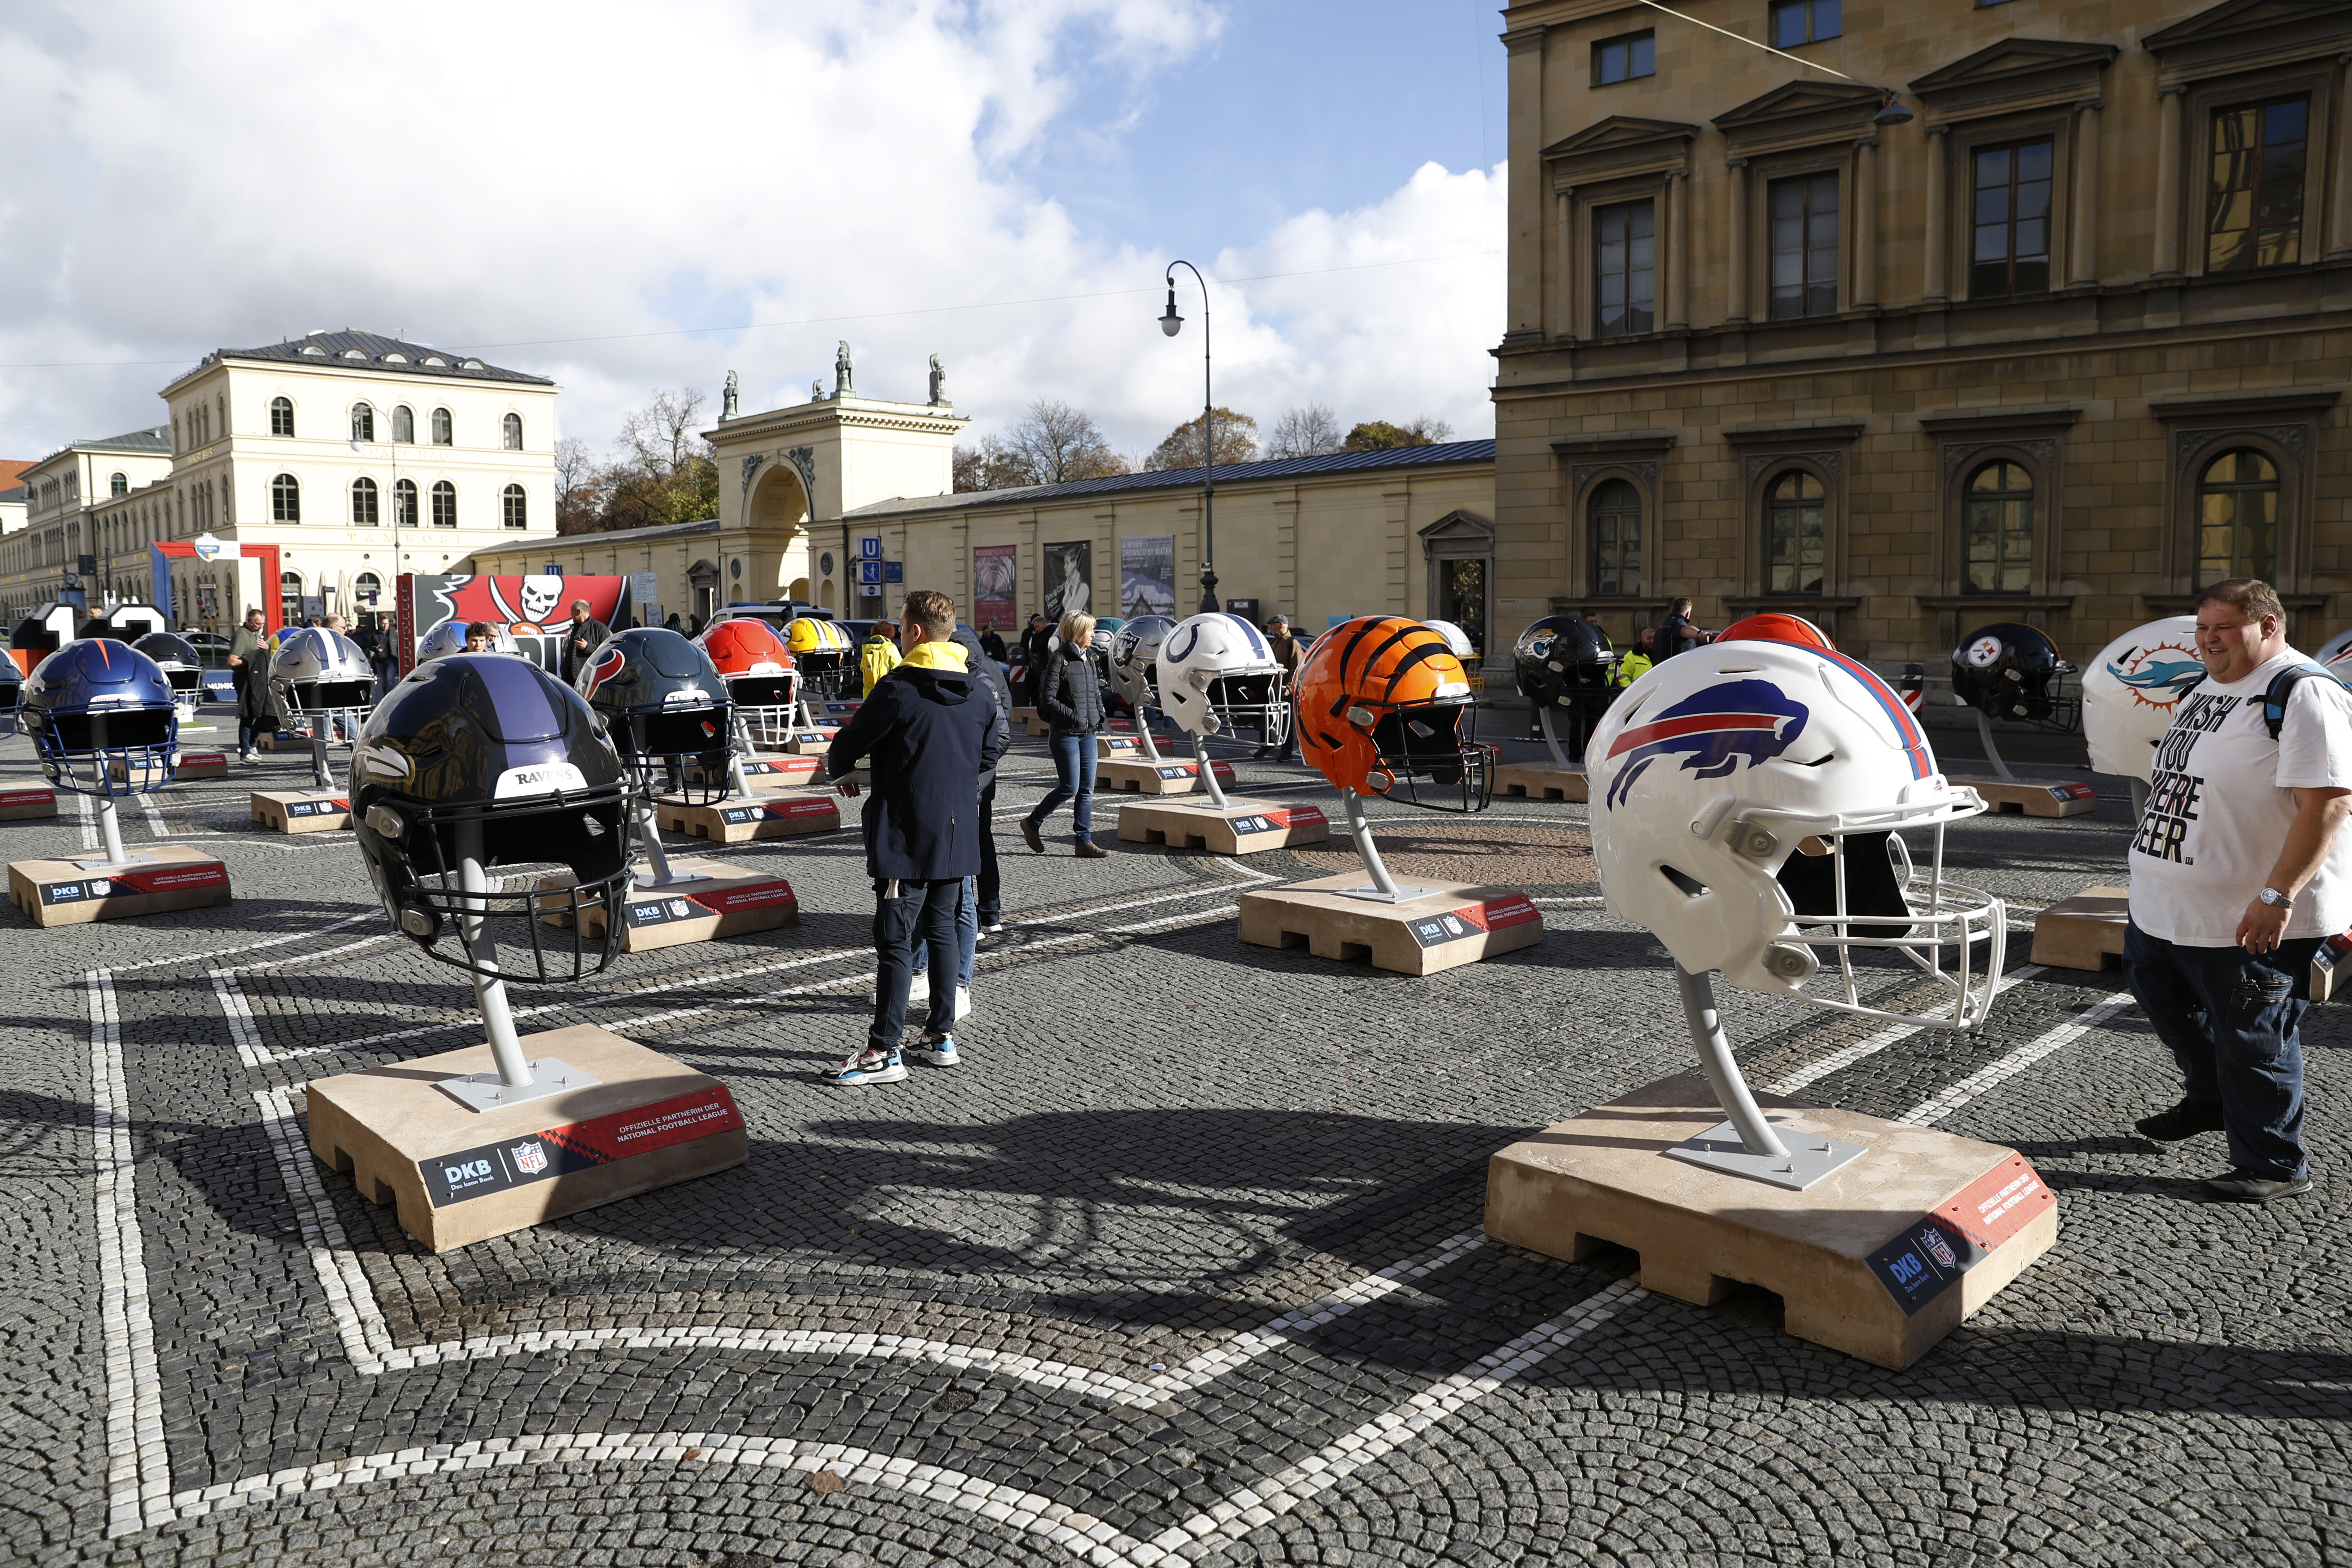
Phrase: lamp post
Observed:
(1171, 323)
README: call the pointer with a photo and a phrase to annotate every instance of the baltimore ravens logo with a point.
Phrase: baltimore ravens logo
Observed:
(608, 665)
(1710, 732)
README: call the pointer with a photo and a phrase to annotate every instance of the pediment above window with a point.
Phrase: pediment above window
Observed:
(1458, 527)
(1799, 112)
(1618, 146)
(2015, 73)
(2254, 27)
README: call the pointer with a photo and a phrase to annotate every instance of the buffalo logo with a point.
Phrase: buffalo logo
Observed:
(608, 665)
(2159, 675)
(1710, 730)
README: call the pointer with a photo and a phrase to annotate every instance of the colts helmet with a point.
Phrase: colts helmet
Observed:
(96, 707)
(762, 681)
(1381, 701)
(1215, 668)
(476, 762)
(1774, 627)
(317, 673)
(2131, 691)
(1455, 638)
(2011, 671)
(1746, 801)
(1134, 660)
(1561, 663)
(666, 709)
(449, 637)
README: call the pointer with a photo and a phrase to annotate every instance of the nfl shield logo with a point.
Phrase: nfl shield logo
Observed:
(1940, 1249)
(530, 1159)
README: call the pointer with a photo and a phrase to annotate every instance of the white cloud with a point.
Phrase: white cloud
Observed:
(510, 174)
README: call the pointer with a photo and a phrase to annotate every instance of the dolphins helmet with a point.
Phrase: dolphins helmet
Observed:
(2011, 671)
(1746, 802)
(1771, 625)
(449, 637)
(182, 665)
(97, 708)
(667, 709)
(761, 680)
(1381, 701)
(476, 762)
(317, 672)
(1134, 660)
(1559, 659)
(2131, 689)
(1216, 669)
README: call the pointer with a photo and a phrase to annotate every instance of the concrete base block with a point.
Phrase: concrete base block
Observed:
(2084, 931)
(193, 765)
(709, 901)
(1241, 828)
(284, 741)
(1540, 781)
(2035, 799)
(1171, 776)
(169, 877)
(803, 742)
(1032, 724)
(16, 805)
(767, 774)
(1880, 1259)
(1449, 925)
(460, 1177)
(779, 816)
(299, 811)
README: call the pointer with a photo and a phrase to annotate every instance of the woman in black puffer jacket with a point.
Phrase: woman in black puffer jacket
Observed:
(1071, 700)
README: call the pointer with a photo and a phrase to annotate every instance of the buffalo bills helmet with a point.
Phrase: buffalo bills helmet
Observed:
(667, 709)
(1381, 701)
(1215, 669)
(1561, 662)
(316, 673)
(449, 637)
(2011, 671)
(97, 709)
(1775, 626)
(182, 665)
(1134, 655)
(478, 762)
(2132, 689)
(1747, 802)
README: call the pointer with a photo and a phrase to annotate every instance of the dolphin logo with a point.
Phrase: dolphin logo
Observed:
(1710, 730)
(2162, 681)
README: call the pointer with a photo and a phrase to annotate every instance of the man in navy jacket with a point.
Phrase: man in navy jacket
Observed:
(931, 728)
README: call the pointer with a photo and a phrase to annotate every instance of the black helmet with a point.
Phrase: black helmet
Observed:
(177, 658)
(665, 706)
(2011, 671)
(481, 758)
(316, 673)
(98, 705)
(1134, 660)
(12, 694)
(1563, 663)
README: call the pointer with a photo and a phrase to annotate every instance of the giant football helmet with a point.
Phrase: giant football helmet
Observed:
(761, 680)
(97, 708)
(1215, 669)
(2011, 671)
(317, 675)
(1381, 701)
(667, 709)
(476, 762)
(1747, 803)
(2131, 691)
(1773, 626)
(449, 637)
(1134, 662)
(11, 695)
(822, 650)
(182, 665)
(1562, 663)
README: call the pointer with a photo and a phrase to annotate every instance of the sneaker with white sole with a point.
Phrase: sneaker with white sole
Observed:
(918, 989)
(939, 1052)
(868, 1066)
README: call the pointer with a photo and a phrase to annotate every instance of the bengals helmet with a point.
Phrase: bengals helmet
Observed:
(1773, 626)
(763, 680)
(1379, 707)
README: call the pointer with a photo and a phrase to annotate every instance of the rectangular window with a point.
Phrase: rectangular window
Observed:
(1624, 267)
(2253, 210)
(1624, 58)
(1798, 21)
(2010, 221)
(1804, 247)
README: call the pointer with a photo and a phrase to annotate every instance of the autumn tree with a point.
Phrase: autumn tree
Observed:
(665, 472)
(580, 477)
(1310, 430)
(1052, 444)
(1236, 443)
(1380, 436)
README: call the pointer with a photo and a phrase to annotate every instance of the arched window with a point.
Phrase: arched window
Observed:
(511, 507)
(363, 422)
(281, 417)
(445, 504)
(404, 425)
(1614, 529)
(367, 590)
(2237, 517)
(1792, 535)
(290, 597)
(512, 426)
(118, 485)
(363, 499)
(285, 499)
(404, 503)
(1997, 529)
(442, 429)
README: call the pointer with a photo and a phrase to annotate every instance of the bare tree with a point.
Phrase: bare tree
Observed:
(1053, 444)
(1236, 443)
(1310, 430)
(661, 438)
(580, 486)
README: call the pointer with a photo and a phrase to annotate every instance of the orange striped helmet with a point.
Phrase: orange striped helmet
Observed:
(1774, 627)
(1381, 701)
(758, 669)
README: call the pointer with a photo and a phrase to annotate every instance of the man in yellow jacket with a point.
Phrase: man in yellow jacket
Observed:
(1637, 664)
(879, 657)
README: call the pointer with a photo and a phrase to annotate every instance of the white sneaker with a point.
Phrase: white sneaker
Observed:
(938, 1053)
(868, 1067)
(919, 988)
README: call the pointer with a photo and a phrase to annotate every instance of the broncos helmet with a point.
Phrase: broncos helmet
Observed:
(761, 680)
(2132, 689)
(1134, 657)
(449, 637)
(665, 706)
(317, 673)
(2011, 671)
(1747, 799)
(476, 762)
(97, 707)
(180, 664)
(1562, 663)
(1381, 701)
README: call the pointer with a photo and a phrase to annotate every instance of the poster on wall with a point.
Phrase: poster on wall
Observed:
(535, 610)
(1069, 579)
(1147, 576)
(995, 586)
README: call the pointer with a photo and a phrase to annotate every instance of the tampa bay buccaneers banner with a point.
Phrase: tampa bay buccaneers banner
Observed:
(535, 610)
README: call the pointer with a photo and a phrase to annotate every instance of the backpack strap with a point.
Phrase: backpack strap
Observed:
(2282, 686)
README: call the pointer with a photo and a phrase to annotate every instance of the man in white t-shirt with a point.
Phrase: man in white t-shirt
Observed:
(2238, 871)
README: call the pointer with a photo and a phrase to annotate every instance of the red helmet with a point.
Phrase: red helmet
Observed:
(1381, 701)
(761, 680)
(1774, 627)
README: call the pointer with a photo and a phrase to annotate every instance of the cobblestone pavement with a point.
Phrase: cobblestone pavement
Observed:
(1182, 1266)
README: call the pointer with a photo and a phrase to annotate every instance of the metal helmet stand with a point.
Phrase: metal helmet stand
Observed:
(321, 775)
(1992, 752)
(1746, 1143)
(1143, 739)
(1384, 889)
(1558, 757)
(515, 1080)
(2140, 790)
(657, 872)
(735, 756)
(1208, 773)
(110, 829)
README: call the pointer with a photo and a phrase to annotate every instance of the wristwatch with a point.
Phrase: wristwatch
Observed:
(2276, 899)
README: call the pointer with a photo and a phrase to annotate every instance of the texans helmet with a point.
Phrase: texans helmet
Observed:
(98, 707)
(2011, 671)
(1381, 701)
(476, 762)
(667, 709)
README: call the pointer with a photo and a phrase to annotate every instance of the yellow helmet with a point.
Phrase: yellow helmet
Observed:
(805, 636)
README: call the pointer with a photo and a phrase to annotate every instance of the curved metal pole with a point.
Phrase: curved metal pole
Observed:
(1558, 757)
(1208, 442)
(109, 829)
(2139, 794)
(1359, 827)
(1722, 1071)
(1207, 770)
(1992, 752)
(322, 773)
(656, 858)
(1143, 741)
(490, 988)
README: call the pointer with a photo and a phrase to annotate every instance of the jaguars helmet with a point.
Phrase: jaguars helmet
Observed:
(1561, 662)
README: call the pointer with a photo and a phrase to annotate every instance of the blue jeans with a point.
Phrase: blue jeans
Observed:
(904, 914)
(967, 926)
(2233, 1022)
(1074, 776)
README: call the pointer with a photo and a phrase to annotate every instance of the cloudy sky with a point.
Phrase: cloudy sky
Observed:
(631, 197)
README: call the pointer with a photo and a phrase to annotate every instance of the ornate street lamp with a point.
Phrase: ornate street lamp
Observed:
(1171, 323)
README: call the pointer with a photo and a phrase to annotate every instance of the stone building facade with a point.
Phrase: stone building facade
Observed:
(2043, 312)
